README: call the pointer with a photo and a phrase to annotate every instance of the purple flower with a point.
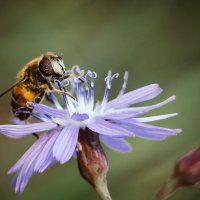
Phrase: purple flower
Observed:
(112, 120)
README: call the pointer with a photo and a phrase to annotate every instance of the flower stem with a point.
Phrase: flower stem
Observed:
(166, 190)
(102, 189)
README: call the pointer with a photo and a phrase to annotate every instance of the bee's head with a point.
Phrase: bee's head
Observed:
(51, 66)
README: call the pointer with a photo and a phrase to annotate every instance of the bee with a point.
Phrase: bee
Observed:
(36, 79)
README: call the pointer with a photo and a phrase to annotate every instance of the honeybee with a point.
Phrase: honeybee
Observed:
(35, 79)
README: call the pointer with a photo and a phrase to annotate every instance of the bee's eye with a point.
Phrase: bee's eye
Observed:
(56, 58)
(45, 67)
(53, 58)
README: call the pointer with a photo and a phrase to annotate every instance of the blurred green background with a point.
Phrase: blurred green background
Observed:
(156, 41)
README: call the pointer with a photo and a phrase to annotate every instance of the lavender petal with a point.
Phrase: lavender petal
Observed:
(145, 109)
(109, 129)
(135, 96)
(18, 131)
(47, 110)
(45, 159)
(148, 131)
(65, 144)
(117, 144)
(155, 118)
(136, 111)
(37, 146)
(20, 180)
(114, 115)
(25, 166)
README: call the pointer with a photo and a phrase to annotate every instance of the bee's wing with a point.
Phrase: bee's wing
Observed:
(10, 88)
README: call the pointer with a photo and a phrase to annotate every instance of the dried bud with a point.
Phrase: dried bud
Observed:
(186, 173)
(187, 169)
(92, 162)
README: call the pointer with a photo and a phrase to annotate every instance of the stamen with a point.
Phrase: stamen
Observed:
(80, 94)
(87, 85)
(116, 75)
(69, 102)
(77, 70)
(61, 87)
(65, 82)
(93, 76)
(108, 77)
(122, 91)
(108, 80)
(79, 89)
(81, 73)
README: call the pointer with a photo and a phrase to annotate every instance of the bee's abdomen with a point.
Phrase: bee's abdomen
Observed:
(20, 96)
(15, 106)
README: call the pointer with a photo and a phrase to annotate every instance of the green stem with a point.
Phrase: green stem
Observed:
(166, 191)
(102, 189)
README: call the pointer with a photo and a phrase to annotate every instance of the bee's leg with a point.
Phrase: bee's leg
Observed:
(59, 91)
(48, 97)
(36, 135)
(71, 75)
(25, 113)
(63, 92)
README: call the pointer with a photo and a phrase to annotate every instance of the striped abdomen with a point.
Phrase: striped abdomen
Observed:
(22, 94)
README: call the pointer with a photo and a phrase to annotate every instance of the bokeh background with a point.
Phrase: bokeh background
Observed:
(156, 41)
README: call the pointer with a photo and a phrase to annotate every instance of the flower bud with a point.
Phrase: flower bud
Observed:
(186, 173)
(187, 169)
(92, 162)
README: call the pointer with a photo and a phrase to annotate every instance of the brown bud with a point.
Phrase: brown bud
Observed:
(187, 169)
(92, 162)
(186, 173)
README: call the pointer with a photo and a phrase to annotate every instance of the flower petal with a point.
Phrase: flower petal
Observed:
(109, 129)
(47, 110)
(46, 155)
(155, 118)
(37, 146)
(118, 114)
(65, 144)
(25, 166)
(148, 131)
(117, 144)
(126, 113)
(135, 96)
(21, 180)
(145, 109)
(18, 131)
